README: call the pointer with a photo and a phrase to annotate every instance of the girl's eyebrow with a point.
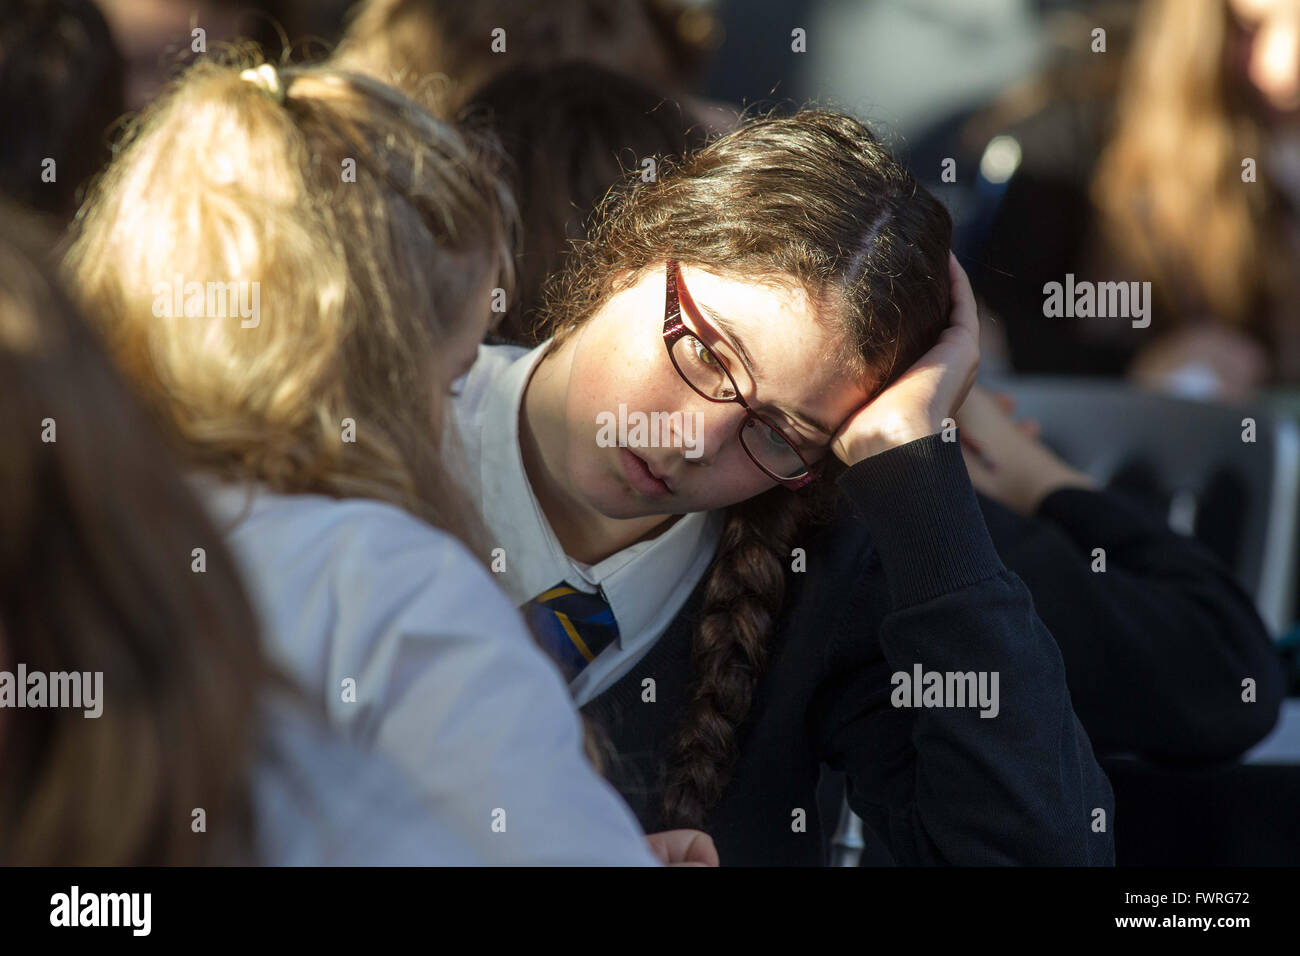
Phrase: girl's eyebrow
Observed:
(722, 322)
(730, 330)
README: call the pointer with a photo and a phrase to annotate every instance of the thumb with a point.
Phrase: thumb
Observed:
(684, 847)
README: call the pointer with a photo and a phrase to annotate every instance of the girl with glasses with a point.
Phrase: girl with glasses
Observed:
(739, 617)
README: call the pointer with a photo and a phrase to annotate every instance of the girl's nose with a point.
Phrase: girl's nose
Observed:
(713, 426)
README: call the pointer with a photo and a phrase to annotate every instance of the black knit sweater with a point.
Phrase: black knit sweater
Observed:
(906, 575)
(1156, 647)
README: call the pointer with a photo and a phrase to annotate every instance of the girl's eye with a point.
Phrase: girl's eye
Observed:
(703, 354)
(769, 435)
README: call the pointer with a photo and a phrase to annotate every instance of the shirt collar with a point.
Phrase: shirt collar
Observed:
(534, 559)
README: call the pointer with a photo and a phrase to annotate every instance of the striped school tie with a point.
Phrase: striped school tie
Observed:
(572, 626)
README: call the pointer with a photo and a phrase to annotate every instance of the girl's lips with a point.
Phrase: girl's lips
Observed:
(639, 476)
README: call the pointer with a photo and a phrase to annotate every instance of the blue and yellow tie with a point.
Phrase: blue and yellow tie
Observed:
(572, 626)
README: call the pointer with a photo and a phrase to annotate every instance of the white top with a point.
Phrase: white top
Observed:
(320, 801)
(487, 407)
(416, 653)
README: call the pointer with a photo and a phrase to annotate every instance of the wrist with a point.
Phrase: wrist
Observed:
(1051, 476)
(889, 433)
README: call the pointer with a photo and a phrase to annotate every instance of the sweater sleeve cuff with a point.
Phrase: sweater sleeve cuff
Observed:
(920, 508)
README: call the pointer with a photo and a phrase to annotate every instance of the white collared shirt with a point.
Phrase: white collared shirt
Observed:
(417, 654)
(646, 584)
(319, 800)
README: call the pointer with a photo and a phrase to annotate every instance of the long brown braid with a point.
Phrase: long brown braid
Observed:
(812, 198)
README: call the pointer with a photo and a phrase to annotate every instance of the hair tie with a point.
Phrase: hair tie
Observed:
(267, 78)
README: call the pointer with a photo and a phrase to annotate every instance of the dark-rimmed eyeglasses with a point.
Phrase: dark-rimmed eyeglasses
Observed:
(707, 375)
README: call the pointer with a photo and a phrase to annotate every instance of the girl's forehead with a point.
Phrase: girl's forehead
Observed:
(765, 293)
(795, 351)
(771, 317)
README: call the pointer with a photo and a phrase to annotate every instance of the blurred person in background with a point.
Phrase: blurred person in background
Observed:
(61, 92)
(70, 69)
(1181, 169)
(441, 51)
(1155, 650)
(573, 132)
(158, 37)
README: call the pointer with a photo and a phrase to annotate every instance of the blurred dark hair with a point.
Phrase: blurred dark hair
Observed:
(411, 42)
(97, 530)
(61, 89)
(572, 131)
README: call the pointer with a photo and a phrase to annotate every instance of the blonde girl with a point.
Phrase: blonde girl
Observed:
(183, 745)
(364, 240)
